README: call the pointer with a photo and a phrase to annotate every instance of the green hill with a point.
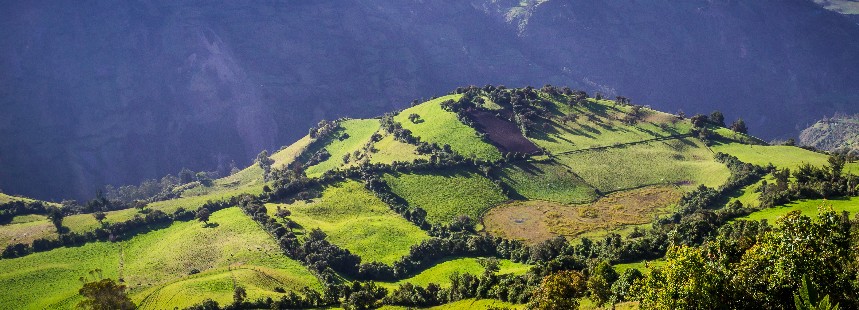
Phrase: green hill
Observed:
(551, 179)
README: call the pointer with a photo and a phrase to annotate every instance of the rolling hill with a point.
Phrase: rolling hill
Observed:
(431, 196)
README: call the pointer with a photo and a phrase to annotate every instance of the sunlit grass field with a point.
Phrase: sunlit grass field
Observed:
(356, 220)
(441, 272)
(447, 194)
(550, 181)
(156, 266)
(685, 162)
(358, 131)
(439, 126)
(390, 150)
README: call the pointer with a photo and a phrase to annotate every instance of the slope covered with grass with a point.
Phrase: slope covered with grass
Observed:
(156, 266)
(440, 273)
(389, 150)
(550, 181)
(597, 123)
(356, 220)
(447, 194)
(682, 162)
(435, 125)
(781, 156)
(808, 207)
(355, 133)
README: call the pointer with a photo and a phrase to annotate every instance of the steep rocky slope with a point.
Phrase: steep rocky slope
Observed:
(113, 92)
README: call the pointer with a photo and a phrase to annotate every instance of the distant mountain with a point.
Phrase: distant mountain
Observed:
(840, 132)
(115, 92)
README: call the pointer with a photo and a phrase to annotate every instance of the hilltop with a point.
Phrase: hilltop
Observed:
(201, 85)
(838, 133)
(472, 199)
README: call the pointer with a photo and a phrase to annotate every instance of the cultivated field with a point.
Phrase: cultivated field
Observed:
(683, 162)
(156, 266)
(503, 133)
(779, 155)
(536, 221)
(439, 126)
(356, 220)
(549, 180)
(447, 194)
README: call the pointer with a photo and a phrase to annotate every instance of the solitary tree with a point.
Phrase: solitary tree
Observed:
(104, 294)
(203, 215)
(186, 176)
(239, 295)
(56, 217)
(717, 118)
(560, 290)
(99, 216)
(739, 126)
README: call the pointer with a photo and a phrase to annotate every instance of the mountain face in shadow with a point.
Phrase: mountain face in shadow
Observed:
(114, 92)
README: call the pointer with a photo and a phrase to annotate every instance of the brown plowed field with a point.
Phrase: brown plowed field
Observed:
(504, 134)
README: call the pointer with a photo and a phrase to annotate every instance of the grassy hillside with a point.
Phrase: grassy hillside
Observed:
(356, 220)
(390, 150)
(598, 123)
(156, 265)
(549, 181)
(682, 161)
(536, 221)
(439, 126)
(779, 155)
(447, 194)
(441, 272)
(806, 206)
(26, 229)
(357, 134)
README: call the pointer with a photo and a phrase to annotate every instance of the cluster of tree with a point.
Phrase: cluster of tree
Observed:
(264, 161)
(148, 190)
(324, 129)
(11, 209)
(489, 284)
(809, 182)
(754, 265)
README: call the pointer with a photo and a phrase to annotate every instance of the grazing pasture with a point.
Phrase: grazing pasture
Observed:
(547, 180)
(447, 194)
(356, 220)
(436, 125)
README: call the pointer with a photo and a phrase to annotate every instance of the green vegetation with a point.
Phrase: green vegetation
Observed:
(156, 267)
(809, 207)
(354, 135)
(550, 181)
(443, 127)
(194, 202)
(81, 223)
(354, 219)
(441, 272)
(390, 150)
(447, 194)
(781, 156)
(477, 304)
(26, 232)
(681, 162)
(598, 123)
(289, 154)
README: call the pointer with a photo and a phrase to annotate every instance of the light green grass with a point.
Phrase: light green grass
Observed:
(598, 126)
(26, 232)
(287, 155)
(156, 264)
(550, 181)
(808, 207)
(441, 272)
(20, 219)
(194, 202)
(81, 223)
(390, 150)
(447, 194)
(780, 156)
(359, 131)
(443, 127)
(684, 162)
(358, 221)
(4, 198)
(477, 304)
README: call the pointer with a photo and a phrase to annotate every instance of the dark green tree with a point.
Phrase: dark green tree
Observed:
(717, 118)
(203, 215)
(104, 294)
(739, 126)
